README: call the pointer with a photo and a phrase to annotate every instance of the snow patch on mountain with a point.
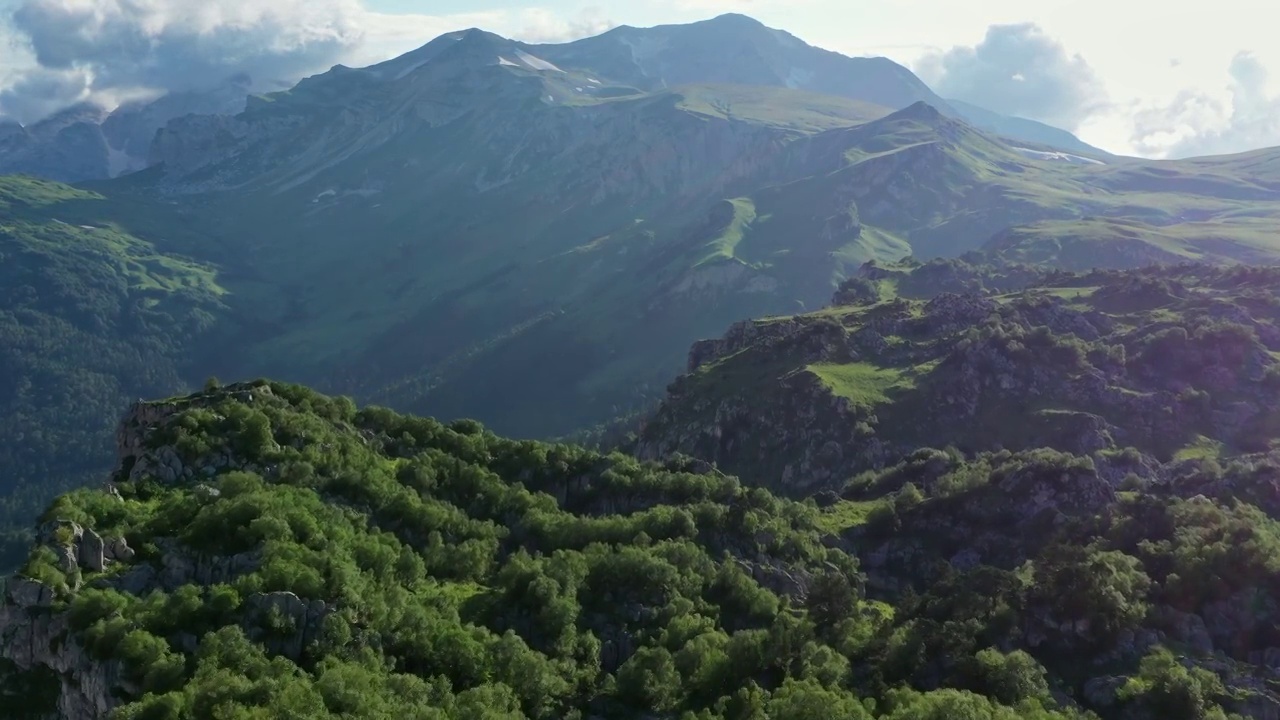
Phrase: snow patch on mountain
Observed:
(536, 63)
(1058, 157)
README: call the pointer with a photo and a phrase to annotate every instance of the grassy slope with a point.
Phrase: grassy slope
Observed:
(445, 277)
(1120, 242)
(863, 384)
(796, 110)
(536, 309)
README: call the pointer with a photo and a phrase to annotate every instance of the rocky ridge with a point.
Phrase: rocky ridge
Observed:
(1084, 363)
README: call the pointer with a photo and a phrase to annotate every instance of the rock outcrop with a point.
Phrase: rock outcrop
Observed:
(35, 631)
(38, 640)
(803, 403)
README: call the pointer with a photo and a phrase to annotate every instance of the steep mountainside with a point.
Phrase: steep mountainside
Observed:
(739, 50)
(67, 146)
(735, 49)
(264, 551)
(88, 143)
(600, 230)
(1025, 130)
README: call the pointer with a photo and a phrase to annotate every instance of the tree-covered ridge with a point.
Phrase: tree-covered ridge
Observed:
(264, 551)
(91, 318)
(1150, 592)
(1175, 363)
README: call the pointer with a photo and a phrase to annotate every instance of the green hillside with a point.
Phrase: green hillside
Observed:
(1122, 242)
(662, 221)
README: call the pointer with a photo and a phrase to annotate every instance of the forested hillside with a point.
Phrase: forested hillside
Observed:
(264, 551)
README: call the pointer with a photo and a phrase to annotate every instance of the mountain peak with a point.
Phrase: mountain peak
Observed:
(734, 20)
(477, 38)
(920, 111)
(472, 45)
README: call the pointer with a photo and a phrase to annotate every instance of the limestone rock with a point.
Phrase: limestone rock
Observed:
(91, 551)
(1101, 691)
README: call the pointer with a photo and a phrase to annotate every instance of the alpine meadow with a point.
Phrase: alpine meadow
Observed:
(686, 371)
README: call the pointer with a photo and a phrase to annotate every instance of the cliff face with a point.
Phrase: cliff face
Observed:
(68, 147)
(37, 641)
(86, 142)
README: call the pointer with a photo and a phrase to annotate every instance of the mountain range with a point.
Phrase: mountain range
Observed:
(87, 142)
(533, 235)
(901, 409)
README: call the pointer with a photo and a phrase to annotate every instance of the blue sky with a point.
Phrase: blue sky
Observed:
(1144, 77)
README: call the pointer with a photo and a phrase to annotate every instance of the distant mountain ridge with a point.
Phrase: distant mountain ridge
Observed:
(542, 232)
(735, 49)
(88, 143)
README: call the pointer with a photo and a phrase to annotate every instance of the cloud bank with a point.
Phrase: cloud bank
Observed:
(1196, 123)
(95, 49)
(1018, 70)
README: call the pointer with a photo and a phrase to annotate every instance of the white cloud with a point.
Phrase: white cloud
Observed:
(539, 25)
(1018, 70)
(1197, 123)
(88, 48)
